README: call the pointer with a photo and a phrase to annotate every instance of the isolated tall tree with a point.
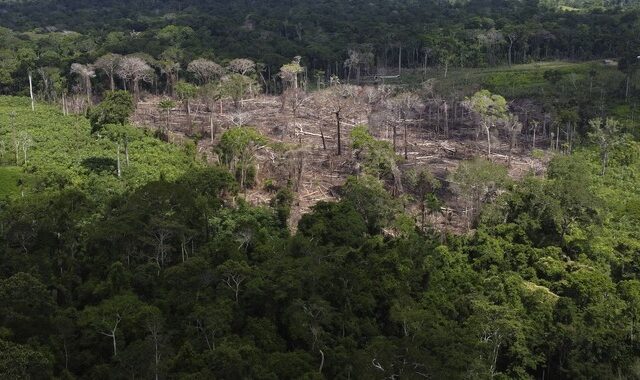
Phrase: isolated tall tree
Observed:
(488, 108)
(85, 72)
(210, 94)
(135, 69)
(289, 72)
(335, 99)
(236, 86)
(204, 70)
(109, 63)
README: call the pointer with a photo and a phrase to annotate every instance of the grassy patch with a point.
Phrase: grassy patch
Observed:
(517, 81)
(63, 152)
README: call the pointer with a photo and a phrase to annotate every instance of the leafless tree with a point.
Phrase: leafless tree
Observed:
(242, 66)
(109, 64)
(26, 142)
(335, 99)
(514, 127)
(295, 163)
(48, 75)
(134, 69)
(85, 72)
(204, 70)
(359, 57)
(404, 105)
(239, 118)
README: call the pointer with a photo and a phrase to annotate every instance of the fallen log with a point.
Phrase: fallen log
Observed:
(299, 131)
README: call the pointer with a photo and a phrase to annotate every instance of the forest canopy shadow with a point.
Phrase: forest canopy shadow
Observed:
(100, 164)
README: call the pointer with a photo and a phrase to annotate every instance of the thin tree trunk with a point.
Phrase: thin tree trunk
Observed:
(394, 138)
(488, 141)
(126, 152)
(88, 88)
(339, 133)
(324, 145)
(406, 153)
(33, 102)
(211, 127)
(534, 138)
(118, 159)
(626, 92)
(321, 361)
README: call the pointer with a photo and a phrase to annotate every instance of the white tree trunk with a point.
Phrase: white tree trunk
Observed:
(118, 158)
(33, 104)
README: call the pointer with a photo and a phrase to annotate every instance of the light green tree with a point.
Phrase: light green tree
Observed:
(238, 147)
(290, 71)
(488, 109)
(606, 133)
(474, 181)
(237, 87)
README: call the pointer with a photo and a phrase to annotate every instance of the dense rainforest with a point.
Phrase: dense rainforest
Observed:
(159, 212)
(332, 37)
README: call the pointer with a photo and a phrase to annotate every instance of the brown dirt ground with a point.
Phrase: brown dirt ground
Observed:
(324, 170)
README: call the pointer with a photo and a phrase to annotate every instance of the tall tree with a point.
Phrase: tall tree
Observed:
(205, 71)
(85, 72)
(134, 69)
(109, 63)
(488, 109)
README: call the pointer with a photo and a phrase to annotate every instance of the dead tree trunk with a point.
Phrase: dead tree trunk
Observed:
(33, 103)
(339, 132)
(406, 153)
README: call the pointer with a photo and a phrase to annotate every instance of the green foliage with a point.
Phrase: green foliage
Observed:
(11, 179)
(22, 362)
(116, 108)
(185, 90)
(371, 200)
(237, 148)
(202, 285)
(166, 104)
(65, 154)
(237, 87)
(477, 180)
(282, 202)
(489, 106)
(377, 156)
